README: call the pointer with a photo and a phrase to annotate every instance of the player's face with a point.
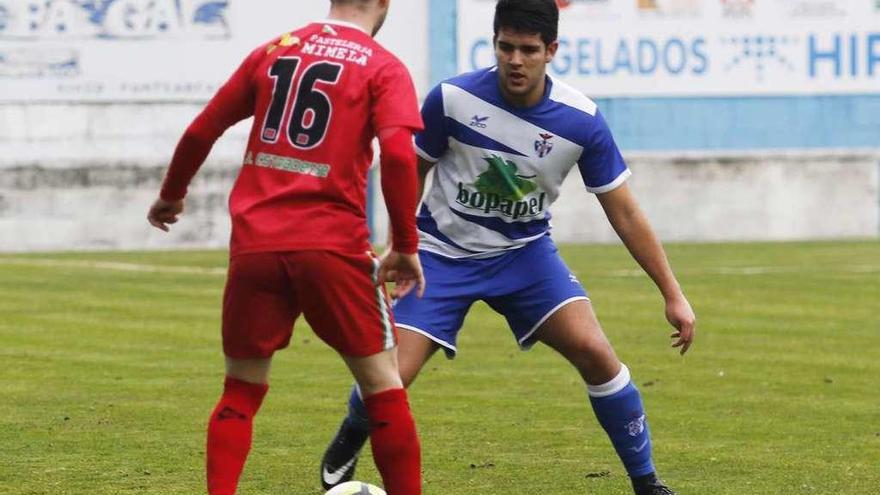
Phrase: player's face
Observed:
(522, 60)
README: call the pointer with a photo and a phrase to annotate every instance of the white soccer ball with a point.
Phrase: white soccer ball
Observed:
(355, 488)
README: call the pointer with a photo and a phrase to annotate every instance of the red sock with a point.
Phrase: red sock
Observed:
(395, 443)
(229, 433)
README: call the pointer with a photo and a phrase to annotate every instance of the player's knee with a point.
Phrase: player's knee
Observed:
(590, 350)
(378, 380)
(373, 388)
(375, 373)
(409, 371)
(249, 370)
(595, 362)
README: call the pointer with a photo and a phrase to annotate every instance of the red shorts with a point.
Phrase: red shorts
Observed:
(266, 292)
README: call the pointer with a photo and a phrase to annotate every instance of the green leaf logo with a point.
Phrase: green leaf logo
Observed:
(501, 179)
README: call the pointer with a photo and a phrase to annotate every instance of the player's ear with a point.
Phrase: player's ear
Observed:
(551, 51)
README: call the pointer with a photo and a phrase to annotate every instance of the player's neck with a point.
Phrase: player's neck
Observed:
(354, 15)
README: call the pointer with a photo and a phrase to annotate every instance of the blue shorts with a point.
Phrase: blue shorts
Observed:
(526, 286)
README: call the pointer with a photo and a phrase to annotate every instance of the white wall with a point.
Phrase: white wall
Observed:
(736, 198)
(746, 197)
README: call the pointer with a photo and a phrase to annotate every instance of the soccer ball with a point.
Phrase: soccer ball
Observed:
(355, 488)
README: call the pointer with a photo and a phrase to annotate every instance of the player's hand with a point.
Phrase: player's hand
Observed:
(163, 213)
(681, 316)
(405, 270)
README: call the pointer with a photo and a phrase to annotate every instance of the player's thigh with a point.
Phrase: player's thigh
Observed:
(342, 302)
(413, 351)
(452, 287)
(574, 332)
(528, 299)
(259, 308)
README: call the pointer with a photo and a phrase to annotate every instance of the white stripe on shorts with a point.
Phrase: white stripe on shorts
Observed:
(387, 332)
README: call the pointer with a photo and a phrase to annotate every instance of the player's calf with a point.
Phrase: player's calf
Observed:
(619, 409)
(230, 431)
(395, 443)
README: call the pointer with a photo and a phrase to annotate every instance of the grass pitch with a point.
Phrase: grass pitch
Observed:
(111, 363)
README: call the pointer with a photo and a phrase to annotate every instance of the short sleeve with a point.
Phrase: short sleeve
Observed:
(433, 141)
(601, 164)
(394, 98)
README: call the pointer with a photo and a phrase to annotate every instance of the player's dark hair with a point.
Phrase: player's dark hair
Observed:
(528, 16)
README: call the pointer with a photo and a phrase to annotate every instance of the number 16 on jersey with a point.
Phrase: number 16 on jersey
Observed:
(309, 118)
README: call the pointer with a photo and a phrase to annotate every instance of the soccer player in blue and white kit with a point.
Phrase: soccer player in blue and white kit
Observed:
(500, 142)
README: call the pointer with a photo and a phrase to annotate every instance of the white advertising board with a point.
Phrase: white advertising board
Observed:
(159, 50)
(702, 47)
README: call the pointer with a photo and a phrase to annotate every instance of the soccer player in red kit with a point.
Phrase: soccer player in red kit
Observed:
(318, 95)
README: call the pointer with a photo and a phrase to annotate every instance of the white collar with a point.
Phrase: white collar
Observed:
(342, 23)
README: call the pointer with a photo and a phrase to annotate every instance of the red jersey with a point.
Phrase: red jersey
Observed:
(318, 96)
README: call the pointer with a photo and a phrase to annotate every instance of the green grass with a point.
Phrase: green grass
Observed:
(108, 376)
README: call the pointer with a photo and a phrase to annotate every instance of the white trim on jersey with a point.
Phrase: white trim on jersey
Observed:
(424, 155)
(567, 95)
(611, 185)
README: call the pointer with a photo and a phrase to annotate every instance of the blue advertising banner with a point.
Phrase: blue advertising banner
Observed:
(702, 47)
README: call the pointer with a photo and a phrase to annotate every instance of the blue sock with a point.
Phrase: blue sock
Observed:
(357, 411)
(618, 407)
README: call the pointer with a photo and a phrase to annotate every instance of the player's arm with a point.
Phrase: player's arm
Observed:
(395, 115)
(424, 168)
(604, 173)
(232, 103)
(431, 142)
(400, 186)
(633, 228)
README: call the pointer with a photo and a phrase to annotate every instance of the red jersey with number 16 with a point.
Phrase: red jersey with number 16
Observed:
(318, 95)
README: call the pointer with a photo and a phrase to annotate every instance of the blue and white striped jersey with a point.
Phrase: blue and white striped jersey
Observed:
(499, 167)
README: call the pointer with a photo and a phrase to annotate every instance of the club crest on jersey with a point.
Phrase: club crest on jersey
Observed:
(543, 146)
